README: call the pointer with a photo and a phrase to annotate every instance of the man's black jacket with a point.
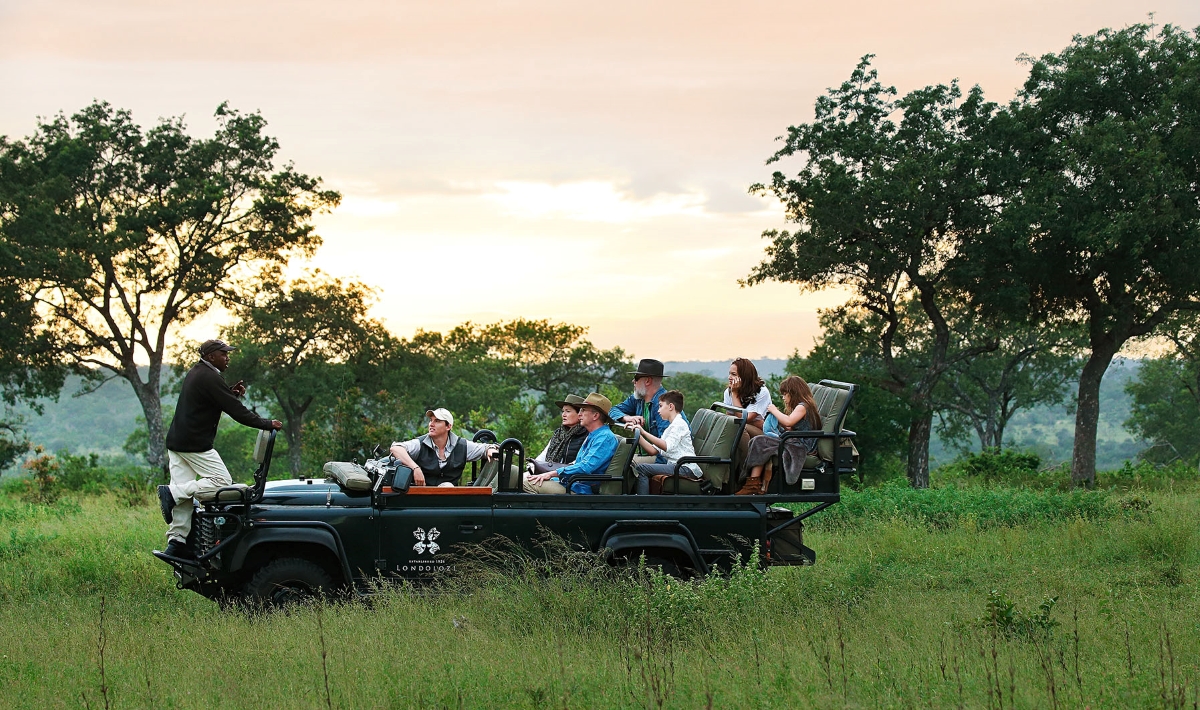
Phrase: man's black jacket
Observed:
(205, 395)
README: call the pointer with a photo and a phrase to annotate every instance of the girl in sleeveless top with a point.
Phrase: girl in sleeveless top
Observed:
(801, 415)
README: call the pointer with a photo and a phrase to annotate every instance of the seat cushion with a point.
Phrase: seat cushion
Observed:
(838, 399)
(720, 442)
(350, 476)
(226, 494)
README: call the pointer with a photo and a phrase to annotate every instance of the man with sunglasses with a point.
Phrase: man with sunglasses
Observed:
(641, 407)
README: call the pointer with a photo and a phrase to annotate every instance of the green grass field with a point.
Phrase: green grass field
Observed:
(890, 616)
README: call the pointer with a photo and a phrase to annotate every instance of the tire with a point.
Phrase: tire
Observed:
(668, 566)
(665, 563)
(286, 581)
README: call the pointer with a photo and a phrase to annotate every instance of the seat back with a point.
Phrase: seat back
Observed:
(833, 402)
(350, 476)
(483, 436)
(260, 445)
(716, 434)
(620, 467)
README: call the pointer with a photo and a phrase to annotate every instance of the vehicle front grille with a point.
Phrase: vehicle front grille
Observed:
(206, 534)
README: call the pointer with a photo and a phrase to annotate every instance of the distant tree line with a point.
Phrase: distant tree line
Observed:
(998, 257)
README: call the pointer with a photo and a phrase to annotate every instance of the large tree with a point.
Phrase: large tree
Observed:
(1102, 217)
(297, 343)
(118, 236)
(886, 191)
(553, 359)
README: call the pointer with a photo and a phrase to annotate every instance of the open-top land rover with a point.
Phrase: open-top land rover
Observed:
(275, 540)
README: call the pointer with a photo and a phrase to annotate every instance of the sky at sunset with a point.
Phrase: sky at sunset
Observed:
(582, 162)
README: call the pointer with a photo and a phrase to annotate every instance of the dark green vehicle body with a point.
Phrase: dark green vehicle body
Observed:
(316, 535)
(357, 537)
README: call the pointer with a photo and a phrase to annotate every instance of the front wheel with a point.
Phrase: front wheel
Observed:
(288, 580)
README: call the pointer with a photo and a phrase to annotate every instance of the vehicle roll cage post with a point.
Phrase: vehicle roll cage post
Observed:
(483, 436)
(508, 448)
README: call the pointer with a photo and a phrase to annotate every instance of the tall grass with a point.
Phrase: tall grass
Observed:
(894, 614)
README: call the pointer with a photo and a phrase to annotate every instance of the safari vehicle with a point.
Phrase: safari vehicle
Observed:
(275, 541)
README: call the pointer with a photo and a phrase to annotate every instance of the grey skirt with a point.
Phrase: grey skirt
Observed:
(795, 451)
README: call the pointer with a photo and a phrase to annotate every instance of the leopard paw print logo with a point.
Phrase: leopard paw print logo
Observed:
(425, 541)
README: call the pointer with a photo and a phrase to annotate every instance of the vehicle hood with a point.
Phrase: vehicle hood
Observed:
(313, 491)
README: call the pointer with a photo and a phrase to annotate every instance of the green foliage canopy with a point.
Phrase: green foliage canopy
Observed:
(1098, 160)
(297, 341)
(117, 236)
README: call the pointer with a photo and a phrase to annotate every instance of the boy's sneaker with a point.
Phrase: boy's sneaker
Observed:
(166, 502)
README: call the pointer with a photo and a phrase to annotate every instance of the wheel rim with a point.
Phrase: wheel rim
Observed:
(291, 591)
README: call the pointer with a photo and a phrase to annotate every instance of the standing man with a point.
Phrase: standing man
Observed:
(641, 408)
(196, 467)
(439, 457)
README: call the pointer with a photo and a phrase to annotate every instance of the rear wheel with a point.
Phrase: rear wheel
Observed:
(288, 580)
(662, 560)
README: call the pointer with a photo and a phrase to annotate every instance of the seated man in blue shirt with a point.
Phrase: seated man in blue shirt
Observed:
(593, 458)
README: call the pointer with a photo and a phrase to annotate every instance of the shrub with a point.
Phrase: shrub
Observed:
(1007, 463)
(42, 487)
(1002, 615)
(134, 489)
(81, 473)
(1007, 466)
(1144, 474)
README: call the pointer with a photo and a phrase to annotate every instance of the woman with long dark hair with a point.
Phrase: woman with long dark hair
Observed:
(800, 413)
(748, 391)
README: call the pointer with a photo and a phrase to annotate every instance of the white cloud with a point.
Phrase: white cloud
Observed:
(357, 206)
(592, 201)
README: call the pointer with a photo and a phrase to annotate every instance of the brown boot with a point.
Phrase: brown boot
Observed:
(752, 487)
(766, 477)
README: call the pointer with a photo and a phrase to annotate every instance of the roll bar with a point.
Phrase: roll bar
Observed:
(508, 448)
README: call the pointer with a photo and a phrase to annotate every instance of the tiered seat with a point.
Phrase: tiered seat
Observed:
(835, 453)
(618, 478)
(715, 438)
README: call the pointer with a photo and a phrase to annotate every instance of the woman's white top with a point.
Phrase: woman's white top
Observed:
(761, 401)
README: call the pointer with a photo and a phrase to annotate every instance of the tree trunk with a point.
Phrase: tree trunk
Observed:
(918, 449)
(292, 430)
(150, 397)
(1087, 416)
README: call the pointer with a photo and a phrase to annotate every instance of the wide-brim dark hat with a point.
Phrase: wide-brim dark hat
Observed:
(649, 368)
(600, 403)
(572, 400)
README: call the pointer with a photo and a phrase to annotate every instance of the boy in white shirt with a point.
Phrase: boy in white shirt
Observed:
(675, 443)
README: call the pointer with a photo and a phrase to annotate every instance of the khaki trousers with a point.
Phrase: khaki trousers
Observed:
(192, 473)
(551, 487)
